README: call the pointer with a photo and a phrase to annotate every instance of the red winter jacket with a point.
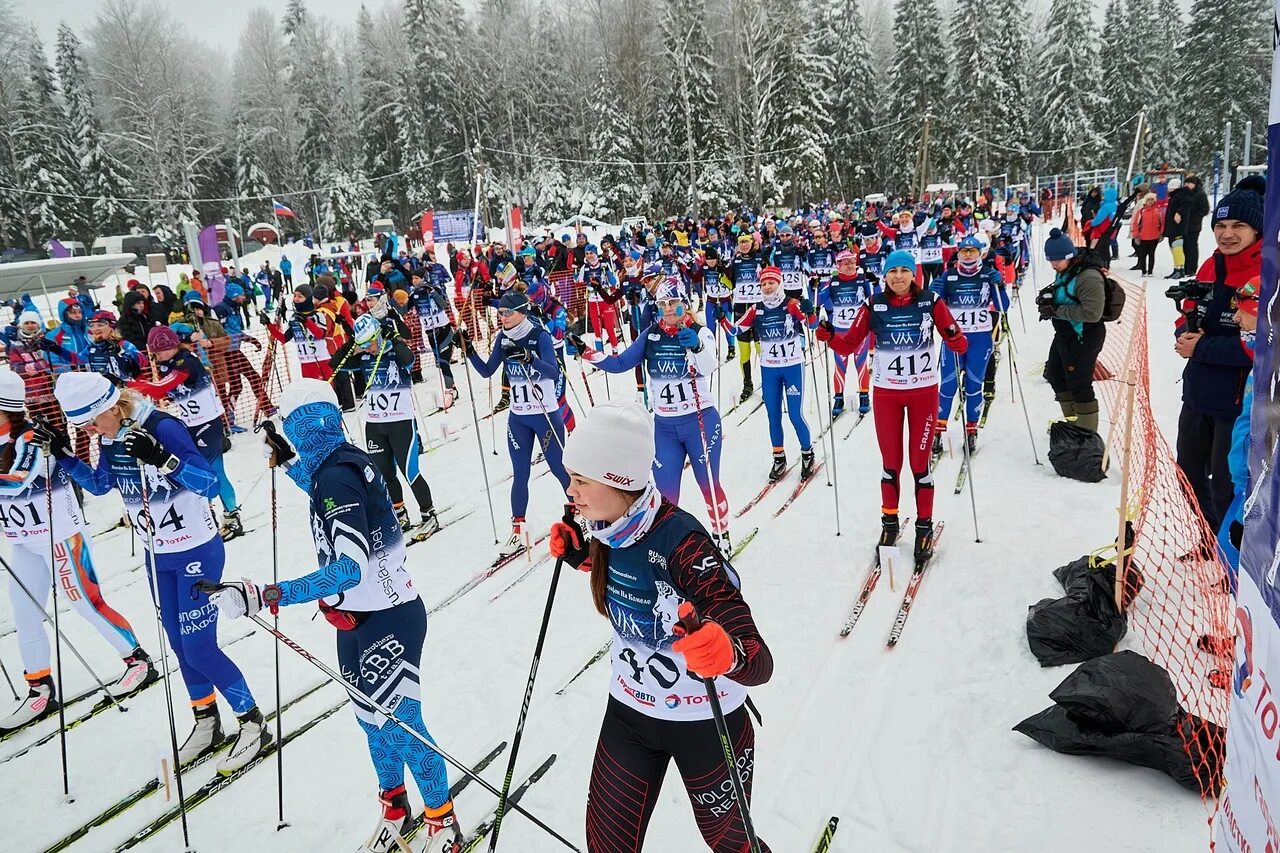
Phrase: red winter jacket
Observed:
(1147, 223)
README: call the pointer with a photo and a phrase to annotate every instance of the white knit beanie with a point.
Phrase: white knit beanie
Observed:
(613, 445)
(303, 391)
(84, 396)
(30, 316)
(13, 392)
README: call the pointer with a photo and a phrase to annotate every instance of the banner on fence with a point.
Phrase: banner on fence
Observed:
(1249, 810)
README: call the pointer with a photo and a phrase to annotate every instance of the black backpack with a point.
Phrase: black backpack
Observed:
(1113, 307)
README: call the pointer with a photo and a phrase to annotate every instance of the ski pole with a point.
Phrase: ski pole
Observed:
(8, 679)
(145, 518)
(57, 631)
(968, 457)
(712, 485)
(210, 587)
(1017, 375)
(27, 592)
(275, 579)
(835, 471)
(475, 418)
(528, 694)
(821, 404)
(689, 622)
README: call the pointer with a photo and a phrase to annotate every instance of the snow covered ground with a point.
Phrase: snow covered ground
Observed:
(912, 748)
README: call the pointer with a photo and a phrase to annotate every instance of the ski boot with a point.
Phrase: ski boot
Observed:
(443, 833)
(924, 542)
(503, 402)
(837, 406)
(806, 463)
(721, 541)
(730, 355)
(402, 517)
(779, 466)
(515, 544)
(393, 823)
(1177, 273)
(231, 526)
(205, 737)
(971, 438)
(936, 453)
(864, 402)
(236, 429)
(41, 701)
(888, 529)
(138, 673)
(748, 388)
(429, 526)
(252, 739)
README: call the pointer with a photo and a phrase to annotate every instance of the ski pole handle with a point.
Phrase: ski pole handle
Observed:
(689, 619)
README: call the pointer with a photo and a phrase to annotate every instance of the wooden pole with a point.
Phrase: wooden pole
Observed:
(1132, 379)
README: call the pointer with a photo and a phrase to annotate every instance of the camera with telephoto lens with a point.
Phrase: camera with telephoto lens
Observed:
(1187, 296)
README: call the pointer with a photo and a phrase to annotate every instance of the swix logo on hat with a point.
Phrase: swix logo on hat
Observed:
(618, 478)
(1224, 212)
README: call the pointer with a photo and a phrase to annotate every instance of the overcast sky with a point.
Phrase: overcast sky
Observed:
(220, 21)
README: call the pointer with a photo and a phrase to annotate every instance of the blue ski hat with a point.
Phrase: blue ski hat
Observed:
(592, 248)
(192, 296)
(231, 292)
(900, 258)
(970, 242)
(513, 301)
(652, 269)
(528, 252)
(1059, 246)
(670, 289)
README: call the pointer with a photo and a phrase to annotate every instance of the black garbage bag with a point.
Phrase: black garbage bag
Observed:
(1121, 692)
(1079, 575)
(1076, 452)
(1074, 628)
(1053, 727)
(1123, 706)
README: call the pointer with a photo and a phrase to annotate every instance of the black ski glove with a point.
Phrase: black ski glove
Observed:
(53, 440)
(144, 447)
(279, 451)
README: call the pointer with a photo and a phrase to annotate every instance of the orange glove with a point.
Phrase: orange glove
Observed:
(567, 543)
(708, 650)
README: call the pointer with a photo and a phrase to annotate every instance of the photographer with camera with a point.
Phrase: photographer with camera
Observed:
(1208, 337)
(1074, 301)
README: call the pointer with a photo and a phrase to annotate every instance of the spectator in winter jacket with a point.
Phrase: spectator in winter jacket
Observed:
(1090, 203)
(1197, 208)
(286, 270)
(70, 336)
(1146, 228)
(165, 302)
(1074, 302)
(1218, 360)
(136, 320)
(1175, 225)
(80, 293)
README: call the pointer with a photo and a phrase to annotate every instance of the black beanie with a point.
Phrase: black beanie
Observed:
(1244, 203)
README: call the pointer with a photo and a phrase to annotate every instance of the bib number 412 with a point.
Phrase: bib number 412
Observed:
(914, 364)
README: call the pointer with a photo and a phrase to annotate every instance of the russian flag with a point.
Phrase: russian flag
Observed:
(279, 209)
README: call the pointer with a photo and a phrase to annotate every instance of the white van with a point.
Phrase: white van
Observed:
(75, 247)
(140, 245)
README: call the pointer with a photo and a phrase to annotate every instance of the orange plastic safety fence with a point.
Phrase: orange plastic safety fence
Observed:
(1175, 589)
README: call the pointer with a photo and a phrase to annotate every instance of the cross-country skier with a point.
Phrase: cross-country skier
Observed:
(744, 275)
(789, 256)
(24, 509)
(429, 303)
(171, 512)
(309, 331)
(718, 293)
(601, 285)
(779, 321)
(364, 590)
(380, 355)
(902, 319)
(977, 299)
(679, 356)
(819, 262)
(184, 381)
(647, 557)
(527, 354)
(108, 352)
(842, 299)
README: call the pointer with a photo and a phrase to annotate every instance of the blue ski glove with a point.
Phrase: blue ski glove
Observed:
(688, 338)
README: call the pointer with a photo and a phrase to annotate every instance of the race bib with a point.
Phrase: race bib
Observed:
(533, 398)
(906, 368)
(747, 292)
(388, 404)
(781, 353)
(310, 350)
(199, 407)
(673, 397)
(972, 320)
(842, 317)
